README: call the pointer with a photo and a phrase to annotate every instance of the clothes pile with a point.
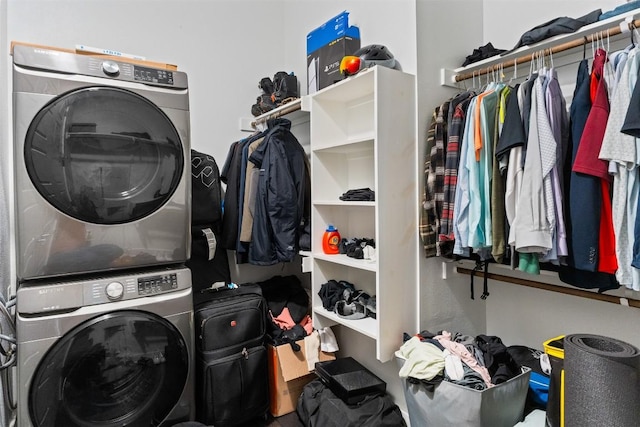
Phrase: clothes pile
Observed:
(359, 194)
(342, 298)
(478, 362)
(358, 248)
(288, 310)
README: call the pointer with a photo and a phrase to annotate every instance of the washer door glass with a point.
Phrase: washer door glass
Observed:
(103, 155)
(124, 368)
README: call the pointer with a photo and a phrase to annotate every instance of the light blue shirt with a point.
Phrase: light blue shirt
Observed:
(461, 205)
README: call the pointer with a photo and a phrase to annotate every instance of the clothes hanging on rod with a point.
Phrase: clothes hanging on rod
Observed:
(523, 159)
(267, 199)
(619, 149)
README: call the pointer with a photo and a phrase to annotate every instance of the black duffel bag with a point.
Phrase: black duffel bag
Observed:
(319, 407)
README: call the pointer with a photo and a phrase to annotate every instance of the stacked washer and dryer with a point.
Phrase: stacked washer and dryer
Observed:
(102, 196)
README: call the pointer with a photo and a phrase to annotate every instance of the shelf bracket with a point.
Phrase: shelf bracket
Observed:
(448, 78)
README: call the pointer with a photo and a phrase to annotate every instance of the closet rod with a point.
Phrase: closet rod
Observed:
(559, 48)
(555, 288)
(287, 108)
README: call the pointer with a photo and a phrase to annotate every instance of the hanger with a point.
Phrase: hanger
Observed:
(515, 72)
(531, 65)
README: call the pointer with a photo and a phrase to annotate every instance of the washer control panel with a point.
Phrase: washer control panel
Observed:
(157, 284)
(66, 296)
(114, 291)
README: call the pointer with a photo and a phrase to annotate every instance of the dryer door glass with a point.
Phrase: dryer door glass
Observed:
(104, 155)
(123, 368)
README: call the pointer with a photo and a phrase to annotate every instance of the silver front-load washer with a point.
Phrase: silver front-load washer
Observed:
(106, 352)
(102, 164)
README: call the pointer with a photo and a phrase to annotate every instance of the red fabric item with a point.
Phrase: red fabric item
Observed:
(307, 324)
(607, 260)
(587, 160)
(284, 319)
(597, 70)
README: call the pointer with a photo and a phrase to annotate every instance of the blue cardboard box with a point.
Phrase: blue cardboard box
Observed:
(326, 46)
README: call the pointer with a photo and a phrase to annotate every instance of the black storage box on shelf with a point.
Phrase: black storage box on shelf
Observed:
(349, 380)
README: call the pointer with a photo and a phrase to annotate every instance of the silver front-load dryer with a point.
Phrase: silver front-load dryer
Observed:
(102, 164)
(108, 352)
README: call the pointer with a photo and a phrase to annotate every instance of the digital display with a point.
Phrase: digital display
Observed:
(152, 75)
(156, 284)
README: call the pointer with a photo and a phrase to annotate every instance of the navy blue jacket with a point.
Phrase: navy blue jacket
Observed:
(282, 200)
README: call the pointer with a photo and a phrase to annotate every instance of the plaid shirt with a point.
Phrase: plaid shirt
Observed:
(456, 128)
(427, 233)
(433, 194)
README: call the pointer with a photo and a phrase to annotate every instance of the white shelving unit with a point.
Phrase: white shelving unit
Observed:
(363, 135)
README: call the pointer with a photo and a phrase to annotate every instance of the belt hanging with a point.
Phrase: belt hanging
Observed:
(481, 265)
(473, 273)
(485, 289)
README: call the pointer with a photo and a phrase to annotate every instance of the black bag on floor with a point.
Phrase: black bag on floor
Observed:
(231, 357)
(319, 407)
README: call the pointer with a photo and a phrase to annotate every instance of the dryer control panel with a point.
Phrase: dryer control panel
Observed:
(43, 58)
(152, 75)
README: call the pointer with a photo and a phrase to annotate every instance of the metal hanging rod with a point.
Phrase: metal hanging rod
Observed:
(631, 302)
(282, 110)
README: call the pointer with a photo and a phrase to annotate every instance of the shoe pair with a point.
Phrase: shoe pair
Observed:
(354, 248)
(357, 308)
(282, 89)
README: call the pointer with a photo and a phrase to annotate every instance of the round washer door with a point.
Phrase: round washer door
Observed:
(103, 155)
(123, 368)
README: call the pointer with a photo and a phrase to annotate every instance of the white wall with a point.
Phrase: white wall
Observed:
(506, 20)
(448, 30)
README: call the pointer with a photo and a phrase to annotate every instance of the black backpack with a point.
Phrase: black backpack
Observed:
(209, 262)
(206, 191)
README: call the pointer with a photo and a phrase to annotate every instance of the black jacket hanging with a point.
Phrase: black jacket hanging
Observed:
(282, 200)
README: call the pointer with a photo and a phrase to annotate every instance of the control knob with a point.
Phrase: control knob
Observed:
(110, 68)
(114, 291)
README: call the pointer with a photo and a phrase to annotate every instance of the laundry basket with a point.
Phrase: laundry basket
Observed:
(451, 404)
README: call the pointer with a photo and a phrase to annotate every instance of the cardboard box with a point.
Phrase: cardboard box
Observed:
(288, 374)
(143, 62)
(326, 46)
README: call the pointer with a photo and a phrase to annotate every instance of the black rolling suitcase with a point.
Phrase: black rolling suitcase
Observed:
(231, 357)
